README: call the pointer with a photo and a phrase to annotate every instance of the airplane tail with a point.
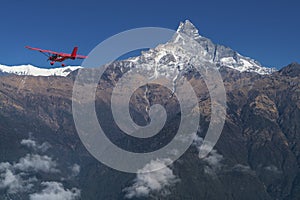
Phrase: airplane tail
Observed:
(74, 53)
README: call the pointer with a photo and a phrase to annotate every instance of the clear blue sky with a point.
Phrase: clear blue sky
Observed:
(268, 31)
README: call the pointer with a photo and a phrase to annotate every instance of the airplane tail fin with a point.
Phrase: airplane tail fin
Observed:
(74, 53)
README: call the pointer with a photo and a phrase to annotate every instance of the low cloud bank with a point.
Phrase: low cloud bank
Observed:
(152, 182)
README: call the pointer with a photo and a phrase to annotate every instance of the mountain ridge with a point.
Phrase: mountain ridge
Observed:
(31, 70)
(222, 55)
(169, 56)
(256, 156)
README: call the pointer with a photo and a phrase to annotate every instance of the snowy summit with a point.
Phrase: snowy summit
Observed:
(187, 43)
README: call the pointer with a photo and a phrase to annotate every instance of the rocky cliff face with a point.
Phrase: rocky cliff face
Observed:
(257, 156)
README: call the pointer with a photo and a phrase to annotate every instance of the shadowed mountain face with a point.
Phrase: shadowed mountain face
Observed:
(256, 157)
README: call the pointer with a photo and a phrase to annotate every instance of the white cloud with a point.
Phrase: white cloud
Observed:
(35, 162)
(75, 170)
(12, 176)
(31, 143)
(4, 166)
(185, 138)
(273, 169)
(28, 143)
(243, 169)
(154, 181)
(18, 177)
(14, 183)
(55, 191)
(213, 160)
(44, 147)
(197, 141)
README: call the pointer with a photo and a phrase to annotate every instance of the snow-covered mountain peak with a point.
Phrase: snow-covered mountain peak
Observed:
(187, 44)
(31, 70)
(189, 29)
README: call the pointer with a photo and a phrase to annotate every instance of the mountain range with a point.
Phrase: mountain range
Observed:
(256, 157)
(30, 70)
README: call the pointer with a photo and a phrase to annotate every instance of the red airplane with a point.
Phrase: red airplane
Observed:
(58, 57)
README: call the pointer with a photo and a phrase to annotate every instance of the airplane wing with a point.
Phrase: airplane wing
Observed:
(42, 50)
(53, 52)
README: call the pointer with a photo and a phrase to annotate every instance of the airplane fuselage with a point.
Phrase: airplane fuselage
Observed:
(58, 58)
